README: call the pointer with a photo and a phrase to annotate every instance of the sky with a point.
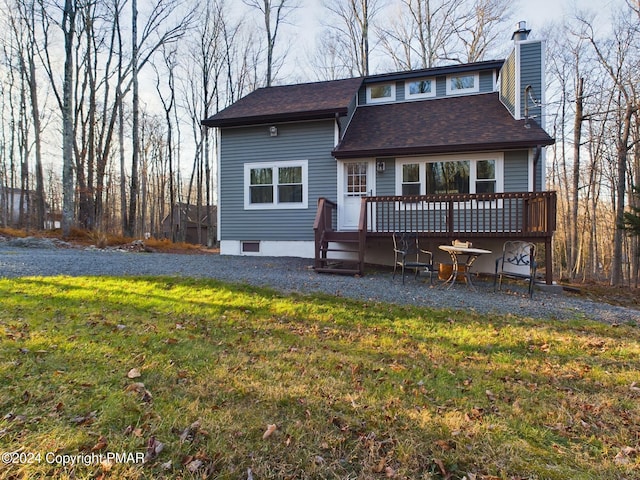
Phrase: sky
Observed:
(539, 15)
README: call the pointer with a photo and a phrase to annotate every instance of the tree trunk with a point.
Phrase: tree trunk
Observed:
(133, 193)
(572, 265)
(68, 23)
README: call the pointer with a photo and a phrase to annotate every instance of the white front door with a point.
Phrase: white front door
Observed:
(356, 180)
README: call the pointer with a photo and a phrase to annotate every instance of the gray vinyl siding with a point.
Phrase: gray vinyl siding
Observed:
(311, 141)
(516, 171)
(486, 82)
(386, 182)
(531, 74)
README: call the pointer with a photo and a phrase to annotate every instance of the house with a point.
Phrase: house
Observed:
(329, 170)
(190, 221)
(16, 206)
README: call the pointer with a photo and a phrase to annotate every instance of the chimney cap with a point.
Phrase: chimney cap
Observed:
(522, 33)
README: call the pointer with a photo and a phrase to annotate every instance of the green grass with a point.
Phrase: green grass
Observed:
(357, 390)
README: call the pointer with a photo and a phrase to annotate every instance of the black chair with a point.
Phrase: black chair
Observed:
(518, 261)
(407, 253)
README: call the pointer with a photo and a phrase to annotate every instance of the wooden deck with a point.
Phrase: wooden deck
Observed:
(529, 216)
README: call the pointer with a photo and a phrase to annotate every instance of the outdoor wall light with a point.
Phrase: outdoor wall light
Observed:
(273, 131)
(380, 167)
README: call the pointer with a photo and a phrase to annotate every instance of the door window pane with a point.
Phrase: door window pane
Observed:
(357, 178)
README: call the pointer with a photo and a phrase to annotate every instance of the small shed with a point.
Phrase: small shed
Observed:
(191, 223)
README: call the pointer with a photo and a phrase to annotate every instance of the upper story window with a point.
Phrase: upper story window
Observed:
(463, 83)
(275, 185)
(379, 93)
(423, 88)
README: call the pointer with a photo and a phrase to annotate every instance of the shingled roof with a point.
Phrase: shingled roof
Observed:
(447, 125)
(307, 101)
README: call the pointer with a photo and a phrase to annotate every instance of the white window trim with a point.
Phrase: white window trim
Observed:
(463, 91)
(391, 98)
(473, 158)
(411, 96)
(276, 205)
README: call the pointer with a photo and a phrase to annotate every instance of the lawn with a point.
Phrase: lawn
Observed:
(180, 378)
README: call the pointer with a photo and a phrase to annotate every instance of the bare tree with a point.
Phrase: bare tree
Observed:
(23, 25)
(352, 23)
(620, 60)
(68, 27)
(274, 13)
(424, 33)
(481, 27)
(151, 39)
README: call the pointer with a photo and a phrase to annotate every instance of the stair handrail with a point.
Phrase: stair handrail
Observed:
(322, 224)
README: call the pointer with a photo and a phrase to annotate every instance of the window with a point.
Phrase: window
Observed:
(411, 179)
(275, 185)
(486, 176)
(357, 179)
(464, 83)
(447, 177)
(473, 173)
(381, 93)
(422, 88)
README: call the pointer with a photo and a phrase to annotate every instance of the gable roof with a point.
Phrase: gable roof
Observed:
(445, 125)
(306, 101)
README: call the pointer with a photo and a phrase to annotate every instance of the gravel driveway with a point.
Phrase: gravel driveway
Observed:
(46, 258)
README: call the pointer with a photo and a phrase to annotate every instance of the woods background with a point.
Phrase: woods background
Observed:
(102, 103)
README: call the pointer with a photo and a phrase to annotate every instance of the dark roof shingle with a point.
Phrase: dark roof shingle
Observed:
(447, 125)
(305, 101)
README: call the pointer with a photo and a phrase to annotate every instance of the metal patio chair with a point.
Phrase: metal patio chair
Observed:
(518, 261)
(409, 255)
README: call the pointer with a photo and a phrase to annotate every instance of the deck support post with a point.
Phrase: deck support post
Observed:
(548, 260)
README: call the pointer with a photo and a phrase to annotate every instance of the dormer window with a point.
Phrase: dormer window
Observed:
(463, 83)
(380, 93)
(422, 88)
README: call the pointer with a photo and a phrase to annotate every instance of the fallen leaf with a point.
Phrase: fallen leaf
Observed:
(106, 465)
(621, 459)
(189, 433)
(194, 465)
(84, 419)
(134, 373)
(270, 429)
(139, 387)
(101, 445)
(440, 465)
(444, 445)
(154, 447)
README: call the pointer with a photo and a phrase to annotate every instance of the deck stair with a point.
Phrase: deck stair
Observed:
(339, 252)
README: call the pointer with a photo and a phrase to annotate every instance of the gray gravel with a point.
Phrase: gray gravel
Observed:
(47, 258)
